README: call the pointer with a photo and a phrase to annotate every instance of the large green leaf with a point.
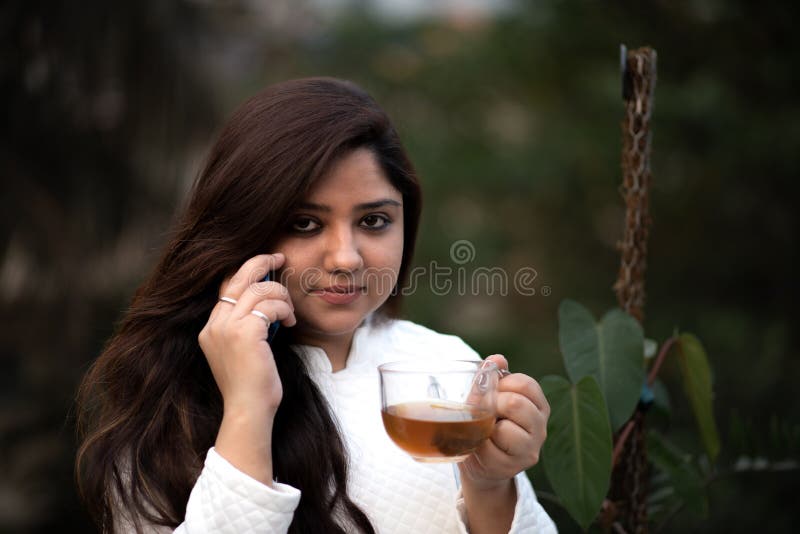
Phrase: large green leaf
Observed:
(696, 373)
(611, 351)
(621, 366)
(686, 479)
(577, 453)
(577, 336)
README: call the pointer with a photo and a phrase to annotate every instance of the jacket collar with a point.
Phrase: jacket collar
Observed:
(317, 361)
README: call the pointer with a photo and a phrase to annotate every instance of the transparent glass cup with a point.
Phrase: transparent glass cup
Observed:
(439, 411)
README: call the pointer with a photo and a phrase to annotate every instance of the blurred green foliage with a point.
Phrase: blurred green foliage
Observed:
(512, 119)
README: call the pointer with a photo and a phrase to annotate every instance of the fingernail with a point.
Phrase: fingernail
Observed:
(482, 381)
(278, 256)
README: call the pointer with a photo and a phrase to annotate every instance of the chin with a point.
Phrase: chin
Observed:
(337, 322)
(319, 318)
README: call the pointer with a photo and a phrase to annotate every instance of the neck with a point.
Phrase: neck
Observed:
(336, 347)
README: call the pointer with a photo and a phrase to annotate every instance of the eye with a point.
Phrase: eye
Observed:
(304, 225)
(375, 221)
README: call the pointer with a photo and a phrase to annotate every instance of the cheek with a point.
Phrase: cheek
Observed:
(298, 264)
(397, 257)
(397, 250)
(384, 265)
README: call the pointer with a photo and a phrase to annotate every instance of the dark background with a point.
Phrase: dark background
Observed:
(511, 114)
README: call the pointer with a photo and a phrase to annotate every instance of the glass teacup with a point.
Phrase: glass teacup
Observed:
(439, 411)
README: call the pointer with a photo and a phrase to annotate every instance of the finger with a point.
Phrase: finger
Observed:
(527, 386)
(484, 381)
(519, 409)
(221, 310)
(214, 312)
(540, 399)
(511, 438)
(258, 292)
(499, 360)
(494, 459)
(251, 271)
(276, 310)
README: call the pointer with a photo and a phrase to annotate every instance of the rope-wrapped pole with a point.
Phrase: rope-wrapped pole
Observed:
(639, 81)
(628, 494)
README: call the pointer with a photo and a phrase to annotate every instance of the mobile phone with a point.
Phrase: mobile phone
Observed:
(273, 327)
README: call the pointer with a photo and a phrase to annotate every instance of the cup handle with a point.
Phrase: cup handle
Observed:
(502, 373)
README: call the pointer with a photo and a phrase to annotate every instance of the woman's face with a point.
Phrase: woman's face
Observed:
(343, 247)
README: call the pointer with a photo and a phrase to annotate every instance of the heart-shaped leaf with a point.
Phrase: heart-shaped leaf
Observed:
(696, 372)
(577, 453)
(610, 350)
(577, 337)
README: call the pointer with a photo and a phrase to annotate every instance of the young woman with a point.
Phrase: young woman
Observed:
(190, 421)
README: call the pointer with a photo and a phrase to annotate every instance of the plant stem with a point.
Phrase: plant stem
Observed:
(623, 437)
(662, 354)
(651, 377)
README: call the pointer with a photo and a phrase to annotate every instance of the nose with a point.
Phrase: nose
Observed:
(342, 253)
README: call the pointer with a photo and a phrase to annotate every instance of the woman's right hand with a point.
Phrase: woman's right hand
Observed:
(234, 340)
(235, 344)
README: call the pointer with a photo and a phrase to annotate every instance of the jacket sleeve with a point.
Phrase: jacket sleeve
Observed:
(529, 516)
(226, 501)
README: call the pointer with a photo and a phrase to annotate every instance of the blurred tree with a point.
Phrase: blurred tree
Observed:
(100, 100)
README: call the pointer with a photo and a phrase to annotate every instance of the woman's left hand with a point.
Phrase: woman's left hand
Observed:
(518, 435)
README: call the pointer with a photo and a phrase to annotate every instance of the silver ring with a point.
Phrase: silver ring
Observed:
(228, 300)
(261, 316)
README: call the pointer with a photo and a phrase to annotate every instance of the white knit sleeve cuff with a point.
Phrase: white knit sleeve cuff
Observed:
(226, 500)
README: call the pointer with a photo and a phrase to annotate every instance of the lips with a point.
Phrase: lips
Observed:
(341, 289)
(339, 294)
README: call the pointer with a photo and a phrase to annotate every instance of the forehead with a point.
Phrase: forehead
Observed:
(356, 177)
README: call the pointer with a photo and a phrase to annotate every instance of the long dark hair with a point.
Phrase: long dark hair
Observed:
(148, 408)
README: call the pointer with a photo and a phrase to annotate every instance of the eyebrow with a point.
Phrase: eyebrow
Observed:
(359, 207)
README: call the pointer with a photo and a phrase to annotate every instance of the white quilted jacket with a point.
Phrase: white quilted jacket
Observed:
(398, 494)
